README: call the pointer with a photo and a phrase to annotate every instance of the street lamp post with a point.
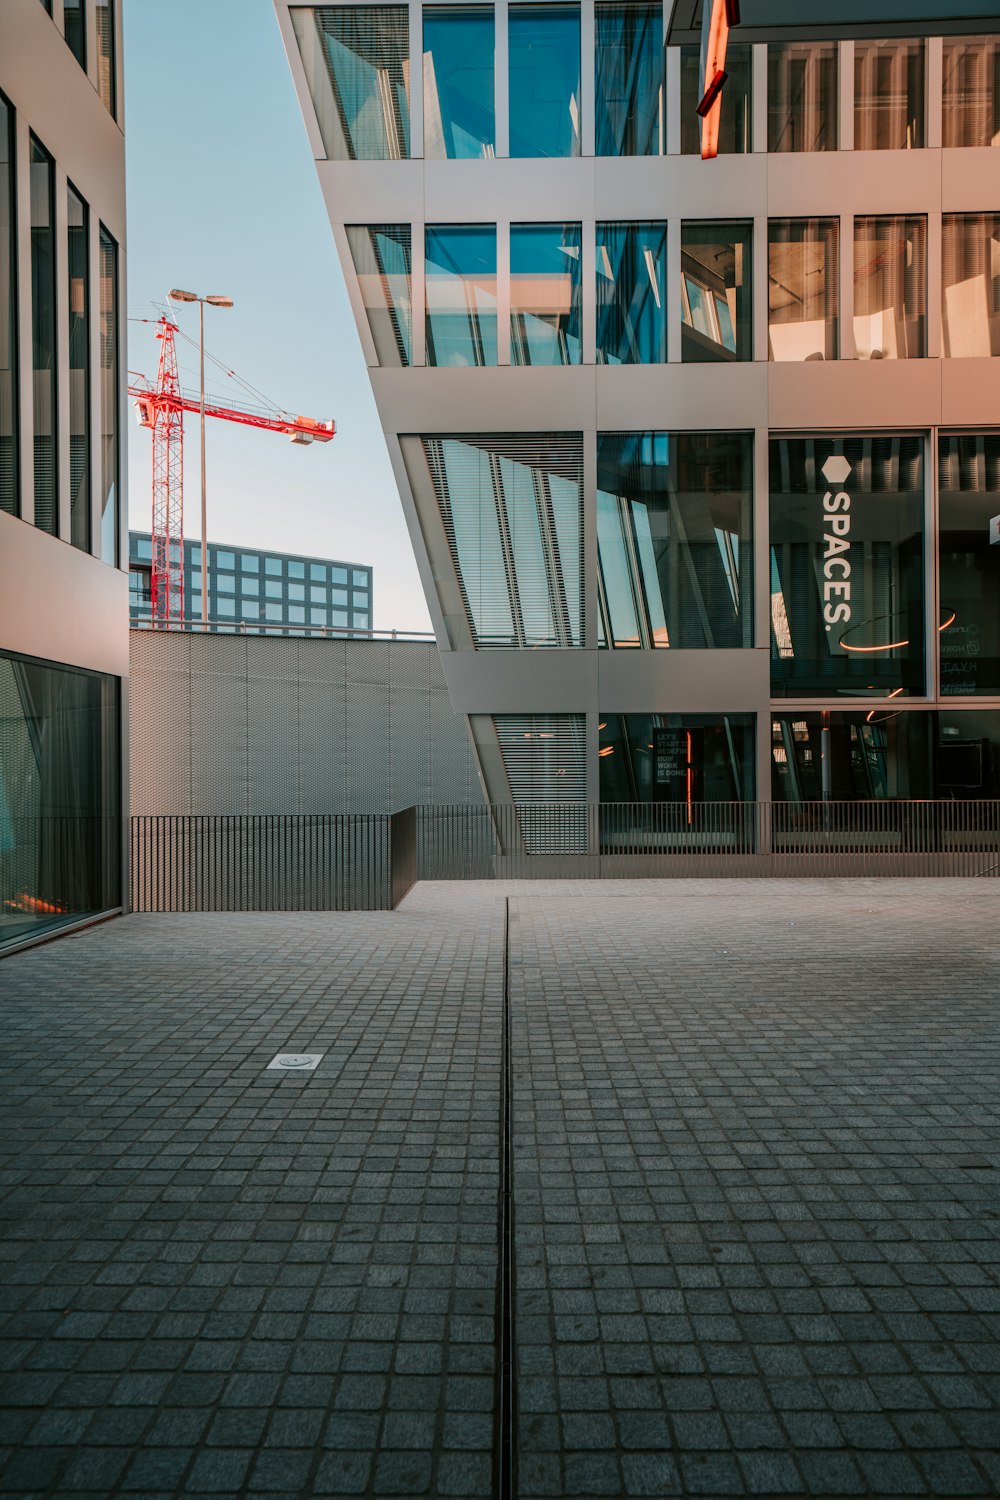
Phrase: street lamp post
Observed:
(178, 296)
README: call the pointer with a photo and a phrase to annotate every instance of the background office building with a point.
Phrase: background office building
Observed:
(63, 587)
(259, 589)
(701, 460)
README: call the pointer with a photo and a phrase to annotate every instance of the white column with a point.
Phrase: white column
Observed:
(94, 360)
(759, 267)
(62, 426)
(588, 284)
(671, 291)
(418, 293)
(847, 346)
(503, 291)
(934, 319)
(758, 97)
(502, 79)
(590, 550)
(845, 92)
(934, 92)
(932, 613)
(672, 102)
(416, 81)
(25, 368)
(588, 54)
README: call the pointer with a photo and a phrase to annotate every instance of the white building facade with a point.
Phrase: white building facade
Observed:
(63, 548)
(700, 460)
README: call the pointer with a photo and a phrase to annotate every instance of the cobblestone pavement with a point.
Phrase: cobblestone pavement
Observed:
(755, 1164)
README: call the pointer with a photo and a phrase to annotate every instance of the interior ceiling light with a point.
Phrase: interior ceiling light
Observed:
(886, 645)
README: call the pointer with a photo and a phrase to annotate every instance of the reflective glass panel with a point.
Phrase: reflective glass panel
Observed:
(675, 539)
(847, 599)
(802, 288)
(970, 285)
(458, 82)
(734, 121)
(9, 496)
(107, 67)
(969, 509)
(628, 78)
(382, 261)
(110, 449)
(802, 96)
(971, 104)
(716, 292)
(544, 62)
(852, 757)
(461, 283)
(79, 370)
(43, 339)
(545, 293)
(60, 832)
(888, 95)
(512, 510)
(357, 65)
(73, 30)
(631, 306)
(890, 287)
(682, 758)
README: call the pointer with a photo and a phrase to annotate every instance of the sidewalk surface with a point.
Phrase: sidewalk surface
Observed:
(754, 1149)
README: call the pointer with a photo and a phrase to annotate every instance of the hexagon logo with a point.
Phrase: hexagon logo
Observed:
(836, 469)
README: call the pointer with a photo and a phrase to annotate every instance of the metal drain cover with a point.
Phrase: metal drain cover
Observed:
(296, 1062)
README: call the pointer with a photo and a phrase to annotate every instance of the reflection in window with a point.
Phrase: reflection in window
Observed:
(847, 609)
(802, 96)
(970, 285)
(43, 338)
(716, 291)
(544, 48)
(969, 500)
(73, 30)
(890, 287)
(357, 66)
(971, 102)
(458, 82)
(9, 499)
(888, 95)
(110, 451)
(681, 758)
(461, 282)
(79, 370)
(803, 268)
(512, 510)
(381, 254)
(107, 70)
(60, 849)
(545, 292)
(851, 757)
(675, 539)
(631, 307)
(629, 78)
(734, 121)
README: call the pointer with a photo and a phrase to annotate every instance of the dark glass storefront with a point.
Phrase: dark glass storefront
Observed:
(692, 758)
(847, 607)
(60, 796)
(969, 500)
(882, 754)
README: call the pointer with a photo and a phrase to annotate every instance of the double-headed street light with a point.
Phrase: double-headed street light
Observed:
(178, 296)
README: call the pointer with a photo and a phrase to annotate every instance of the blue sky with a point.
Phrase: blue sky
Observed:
(223, 197)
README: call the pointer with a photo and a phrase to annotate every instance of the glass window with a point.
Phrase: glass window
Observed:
(192, 581)
(273, 611)
(338, 575)
(107, 70)
(461, 277)
(296, 570)
(968, 756)
(684, 758)
(250, 585)
(970, 285)
(248, 609)
(545, 294)
(802, 288)
(225, 583)
(194, 554)
(734, 121)
(296, 614)
(544, 52)
(140, 587)
(512, 510)
(78, 303)
(359, 621)
(9, 488)
(74, 30)
(273, 565)
(890, 288)
(631, 308)
(382, 261)
(225, 609)
(458, 82)
(888, 95)
(43, 339)
(144, 548)
(60, 829)
(847, 604)
(802, 96)
(969, 501)
(716, 291)
(317, 616)
(360, 577)
(273, 588)
(318, 571)
(851, 757)
(338, 596)
(222, 559)
(110, 449)
(338, 617)
(357, 66)
(675, 539)
(297, 591)
(971, 103)
(249, 562)
(318, 595)
(628, 78)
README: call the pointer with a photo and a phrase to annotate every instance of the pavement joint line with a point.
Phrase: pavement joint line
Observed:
(505, 1447)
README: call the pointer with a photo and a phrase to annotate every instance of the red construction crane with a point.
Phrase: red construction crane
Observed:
(161, 408)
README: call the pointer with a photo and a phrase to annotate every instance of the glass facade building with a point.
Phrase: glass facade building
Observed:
(249, 590)
(700, 460)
